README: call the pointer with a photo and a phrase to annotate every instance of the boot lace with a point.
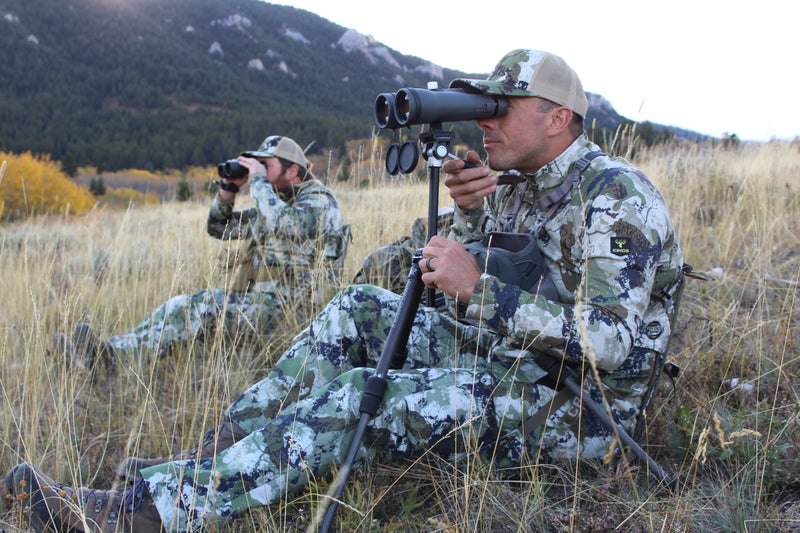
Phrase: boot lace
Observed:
(130, 499)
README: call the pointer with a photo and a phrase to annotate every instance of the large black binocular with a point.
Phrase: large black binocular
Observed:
(231, 170)
(407, 107)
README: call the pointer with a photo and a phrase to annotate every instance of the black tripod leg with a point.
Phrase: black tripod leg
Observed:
(392, 356)
(626, 439)
(558, 375)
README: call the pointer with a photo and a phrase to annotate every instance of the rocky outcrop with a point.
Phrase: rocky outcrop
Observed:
(352, 41)
(295, 35)
(216, 48)
(233, 21)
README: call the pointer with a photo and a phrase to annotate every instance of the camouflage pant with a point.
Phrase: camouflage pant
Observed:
(449, 396)
(191, 317)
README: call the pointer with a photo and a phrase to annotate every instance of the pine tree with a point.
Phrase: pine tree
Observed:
(68, 166)
(97, 186)
(183, 191)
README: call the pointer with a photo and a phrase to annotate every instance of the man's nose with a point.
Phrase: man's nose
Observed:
(486, 123)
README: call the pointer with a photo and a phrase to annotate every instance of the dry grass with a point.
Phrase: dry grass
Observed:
(730, 427)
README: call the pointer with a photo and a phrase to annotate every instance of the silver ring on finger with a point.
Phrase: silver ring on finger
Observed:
(428, 264)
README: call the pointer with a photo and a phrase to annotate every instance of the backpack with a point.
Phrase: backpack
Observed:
(388, 266)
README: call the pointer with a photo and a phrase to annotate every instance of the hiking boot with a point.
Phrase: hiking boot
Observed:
(85, 341)
(6, 498)
(214, 441)
(83, 349)
(55, 507)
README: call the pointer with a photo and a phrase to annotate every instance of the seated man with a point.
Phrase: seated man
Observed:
(610, 250)
(295, 226)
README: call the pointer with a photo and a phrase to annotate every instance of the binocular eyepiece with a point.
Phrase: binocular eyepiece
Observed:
(231, 170)
(407, 107)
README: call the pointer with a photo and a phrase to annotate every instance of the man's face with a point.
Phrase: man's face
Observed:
(516, 141)
(281, 180)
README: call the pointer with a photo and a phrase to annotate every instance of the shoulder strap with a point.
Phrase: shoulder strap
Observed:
(550, 203)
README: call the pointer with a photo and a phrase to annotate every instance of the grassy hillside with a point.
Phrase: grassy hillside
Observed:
(729, 425)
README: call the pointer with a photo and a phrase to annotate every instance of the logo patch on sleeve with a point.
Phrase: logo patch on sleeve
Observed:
(620, 245)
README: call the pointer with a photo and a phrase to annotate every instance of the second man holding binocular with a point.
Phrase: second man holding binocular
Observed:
(294, 229)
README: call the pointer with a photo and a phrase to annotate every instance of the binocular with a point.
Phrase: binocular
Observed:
(231, 170)
(408, 107)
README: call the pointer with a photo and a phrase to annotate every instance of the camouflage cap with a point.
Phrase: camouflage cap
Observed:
(525, 72)
(283, 147)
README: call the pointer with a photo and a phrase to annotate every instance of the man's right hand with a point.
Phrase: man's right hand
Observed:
(469, 186)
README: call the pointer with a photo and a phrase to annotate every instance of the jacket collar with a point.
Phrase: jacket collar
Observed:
(556, 171)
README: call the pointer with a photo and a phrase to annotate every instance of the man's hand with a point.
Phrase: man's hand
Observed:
(446, 265)
(469, 186)
(253, 166)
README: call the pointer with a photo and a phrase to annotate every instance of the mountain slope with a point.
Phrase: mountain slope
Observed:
(169, 83)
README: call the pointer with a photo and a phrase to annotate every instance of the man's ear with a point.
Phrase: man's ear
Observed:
(560, 118)
(293, 173)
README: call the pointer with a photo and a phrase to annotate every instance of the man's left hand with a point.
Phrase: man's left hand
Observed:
(253, 165)
(446, 265)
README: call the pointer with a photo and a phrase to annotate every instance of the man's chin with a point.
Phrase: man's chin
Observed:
(497, 165)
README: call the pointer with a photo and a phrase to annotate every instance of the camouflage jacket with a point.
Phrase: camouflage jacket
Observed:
(609, 248)
(289, 235)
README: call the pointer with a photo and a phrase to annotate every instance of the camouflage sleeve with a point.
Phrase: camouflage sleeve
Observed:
(621, 246)
(313, 213)
(225, 223)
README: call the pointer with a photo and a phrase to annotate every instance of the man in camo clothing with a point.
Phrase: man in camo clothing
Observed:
(295, 244)
(467, 386)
